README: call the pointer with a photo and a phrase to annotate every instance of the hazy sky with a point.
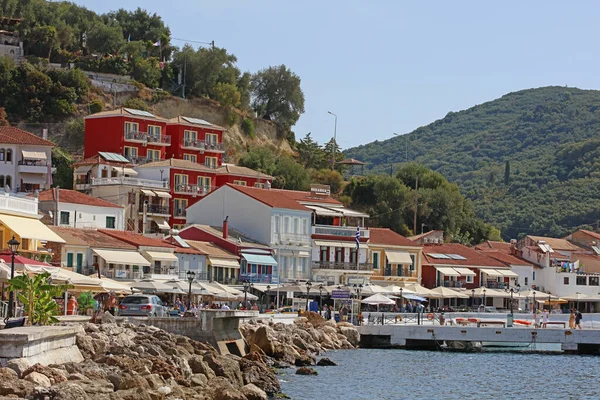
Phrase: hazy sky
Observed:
(392, 66)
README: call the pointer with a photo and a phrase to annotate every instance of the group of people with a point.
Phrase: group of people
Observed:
(575, 319)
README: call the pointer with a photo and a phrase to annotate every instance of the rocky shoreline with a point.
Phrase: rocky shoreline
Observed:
(127, 362)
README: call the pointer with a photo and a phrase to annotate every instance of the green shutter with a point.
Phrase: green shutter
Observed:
(69, 260)
(79, 263)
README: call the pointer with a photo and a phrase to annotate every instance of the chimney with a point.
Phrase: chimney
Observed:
(226, 227)
(45, 133)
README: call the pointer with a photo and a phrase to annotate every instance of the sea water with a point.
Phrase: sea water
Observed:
(404, 374)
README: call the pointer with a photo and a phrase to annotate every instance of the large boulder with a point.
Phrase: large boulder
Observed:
(95, 388)
(306, 371)
(7, 374)
(68, 391)
(108, 318)
(86, 345)
(221, 389)
(351, 334)
(254, 393)
(199, 366)
(131, 381)
(38, 379)
(326, 362)
(262, 339)
(19, 365)
(226, 367)
(198, 380)
(258, 374)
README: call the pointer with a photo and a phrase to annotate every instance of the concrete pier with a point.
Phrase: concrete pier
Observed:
(430, 336)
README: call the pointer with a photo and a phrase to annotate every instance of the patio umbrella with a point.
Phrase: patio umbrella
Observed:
(396, 290)
(226, 288)
(444, 292)
(420, 290)
(378, 299)
(479, 292)
(185, 287)
(154, 286)
(577, 297)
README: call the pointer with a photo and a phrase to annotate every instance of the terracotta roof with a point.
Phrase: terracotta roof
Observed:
(12, 135)
(211, 249)
(556, 244)
(91, 238)
(507, 259)
(97, 159)
(123, 111)
(270, 197)
(307, 197)
(473, 257)
(75, 197)
(183, 250)
(422, 235)
(386, 236)
(136, 239)
(177, 163)
(181, 120)
(234, 236)
(236, 170)
(590, 233)
(491, 245)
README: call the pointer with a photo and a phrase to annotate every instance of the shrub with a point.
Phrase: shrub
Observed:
(136, 104)
(231, 117)
(248, 127)
(96, 106)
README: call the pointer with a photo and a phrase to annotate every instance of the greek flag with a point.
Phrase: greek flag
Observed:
(357, 237)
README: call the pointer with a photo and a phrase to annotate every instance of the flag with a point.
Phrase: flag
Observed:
(157, 44)
(357, 237)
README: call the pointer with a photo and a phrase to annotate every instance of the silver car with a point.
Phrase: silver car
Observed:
(142, 305)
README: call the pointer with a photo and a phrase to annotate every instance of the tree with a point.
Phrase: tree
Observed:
(260, 159)
(3, 120)
(42, 41)
(146, 71)
(310, 153)
(277, 95)
(330, 149)
(291, 175)
(227, 94)
(136, 103)
(105, 38)
(507, 173)
(333, 178)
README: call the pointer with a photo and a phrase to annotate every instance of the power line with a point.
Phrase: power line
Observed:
(194, 41)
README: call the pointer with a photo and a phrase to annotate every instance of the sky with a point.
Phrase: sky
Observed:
(389, 67)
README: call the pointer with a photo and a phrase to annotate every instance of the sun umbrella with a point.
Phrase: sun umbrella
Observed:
(576, 297)
(479, 292)
(378, 299)
(446, 293)
(420, 290)
(185, 287)
(154, 286)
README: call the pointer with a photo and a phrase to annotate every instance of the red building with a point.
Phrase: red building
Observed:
(196, 140)
(138, 135)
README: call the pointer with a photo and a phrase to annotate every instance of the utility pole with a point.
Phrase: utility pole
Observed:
(416, 206)
(184, 74)
(334, 141)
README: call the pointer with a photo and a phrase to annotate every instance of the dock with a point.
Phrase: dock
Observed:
(580, 341)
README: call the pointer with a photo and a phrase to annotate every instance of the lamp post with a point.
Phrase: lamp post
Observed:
(308, 285)
(534, 307)
(401, 301)
(268, 294)
(473, 300)
(334, 141)
(549, 304)
(13, 245)
(483, 299)
(247, 286)
(321, 299)
(190, 277)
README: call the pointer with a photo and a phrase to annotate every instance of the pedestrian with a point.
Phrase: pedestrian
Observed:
(578, 318)
(111, 303)
(72, 306)
(545, 318)
(572, 319)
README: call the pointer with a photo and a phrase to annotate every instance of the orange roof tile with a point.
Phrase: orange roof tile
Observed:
(590, 233)
(507, 259)
(472, 257)
(270, 197)
(12, 135)
(211, 249)
(491, 245)
(386, 236)
(74, 197)
(90, 237)
(136, 239)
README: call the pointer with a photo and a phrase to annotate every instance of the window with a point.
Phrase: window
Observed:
(376, 259)
(526, 281)
(594, 281)
(204, 183)
(130, 153)
(131, 127)
(153, 154)
(69, 260)
(9, 155)
(566, 280)
(181, 182)
(240, 183)
(277, 222)
(259, 185)
(533, 278)
(79, 262)
(286, 224)
(295, 226)
(469, 279)
(581, 280)
(9, 181)
(414, 263)
(189, 138)
(2, 182)
(2, 154)
(154, 131)
(190, 157)
(110, 222)
(212, 138)
(211, 162)
(339, 254)
(324, 254)
(180, 206)
(64, 217)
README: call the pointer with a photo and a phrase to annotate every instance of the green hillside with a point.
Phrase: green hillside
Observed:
(528, 160)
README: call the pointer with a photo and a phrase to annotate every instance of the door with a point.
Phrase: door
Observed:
(79, 263)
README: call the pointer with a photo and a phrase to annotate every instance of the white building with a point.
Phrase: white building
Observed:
(189, 259)
(69, 208)
(25, 160)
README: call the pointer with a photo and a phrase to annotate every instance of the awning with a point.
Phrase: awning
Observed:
(464, 271)
(398, 257)
(448, 271)
(123, 257)
(30, 228)
(34, 178)
(224, 262)
(162, 224)
(129, 171)
(507, 273)
(259, 259)
(34, 155)
(351, 213)
(148, 193)
(165, 195)
(84, 169)
(303, 254)
(327, 243)
(490, 272)
(160, 256)
(324, 212)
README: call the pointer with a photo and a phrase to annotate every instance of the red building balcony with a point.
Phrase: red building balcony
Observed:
(202, 146)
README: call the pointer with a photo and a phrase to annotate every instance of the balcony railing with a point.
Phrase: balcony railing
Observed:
(122, 180)
(142, 160)
(202, 145)
(155, 209)
(291, 239)
(194, 189)
(455, 284)
(495, 285)
(256, 278)
(344, 231)
(19, 205)
(342, 265)
(179, 213)
(32, 163)
(160, 140)
(136, 136)
(123, 274)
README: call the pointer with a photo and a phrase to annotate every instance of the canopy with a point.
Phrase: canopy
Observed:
(148, 193)
(491, 272)
(398, 257)
(224, 262)
(30, 228)
(420, 290)
(480, 291)
(34, 155)
(447, 293)
(577, 297)
(464, 271)
(413, 297)
(84, 169)
(377, 299)
(372, 289)
(508, 273)
(448, 271)
(122, 257)
(185, 287)
(153, 286)
(165, 195)
(538, 295)
(226, 288)
(259, 259)
(327, 243)
(325, 212)
(130, 171)
(161, 256)
(397, 290)
(162, 224)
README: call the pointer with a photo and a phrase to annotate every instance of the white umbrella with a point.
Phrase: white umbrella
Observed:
(420, 290)
(577, 297)
(480, 292)
(154, 286)
(185, 287)
(446, 293)
(378, 299)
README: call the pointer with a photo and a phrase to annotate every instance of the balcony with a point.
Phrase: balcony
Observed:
(142, 160)
(291, 239)
(18, 205)
(495, 285)
(194, 189)
(162, 140)
(455, 284)
(342, 231)
(34, 167)
(202, 146)
(122, 180)
(134, 136)
(179, 213)
(256, 278)
(342, 266)
(155, 209)
(123, 274)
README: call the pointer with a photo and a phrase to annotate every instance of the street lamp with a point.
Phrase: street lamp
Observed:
(321, 299)
(190, 277)
(308, 285)
(534, 305)
(334, 141)
(268, 294)
(247, 286)
(401, 301)
(473, 300)
(483, 299)
(13, 246)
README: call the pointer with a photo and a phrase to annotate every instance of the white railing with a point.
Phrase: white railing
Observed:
(18, 204)
(291, 238)
(121, 180)
(345, 231)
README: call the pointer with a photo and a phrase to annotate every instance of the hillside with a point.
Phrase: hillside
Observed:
(547, 139)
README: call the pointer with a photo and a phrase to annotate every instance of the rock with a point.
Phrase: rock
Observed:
(67, 391)
(95, 387)
(221, 389)
(258, 374)
(351, 334)
(7, 374)
(253, 393)
(304, 360)
(130, 381)
(198, 366)
(86, 345)
(51, 373)
(76, 376)
(226, 367)
(306, 371)
(19, 365)
(326, 362)
(134, 394)
(108, 318)
(38, 379)
(198, 380)
(155, 381)
(262, 340)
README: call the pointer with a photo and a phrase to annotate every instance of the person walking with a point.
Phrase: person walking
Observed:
(572, 319)
(545, 319)
(72, 306)
(578, 318)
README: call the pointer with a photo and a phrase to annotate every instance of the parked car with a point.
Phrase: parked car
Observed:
(487, 309)
(142, 305)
